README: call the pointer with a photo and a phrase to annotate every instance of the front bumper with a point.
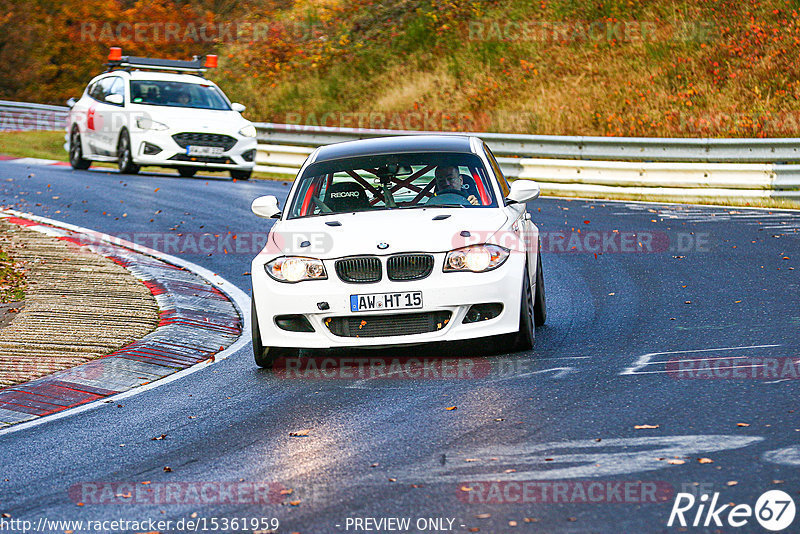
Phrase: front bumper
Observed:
(441, 292)
(171, 154)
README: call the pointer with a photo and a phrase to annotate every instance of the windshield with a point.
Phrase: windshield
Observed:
(177, 94)
(397, 181)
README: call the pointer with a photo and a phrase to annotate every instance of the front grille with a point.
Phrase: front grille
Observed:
(409, 267)
(359, 270)
(401, 324)
(204, 139)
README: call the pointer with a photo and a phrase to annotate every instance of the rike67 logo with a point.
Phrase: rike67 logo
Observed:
(774, 510)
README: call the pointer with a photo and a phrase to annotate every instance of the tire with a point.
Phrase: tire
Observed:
(187, 172)
(266, 356)
(241, 175)
(522, 339)
(124, 155)
(539, 302)
(76, 159)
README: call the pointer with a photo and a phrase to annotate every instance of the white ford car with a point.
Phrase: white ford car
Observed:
(400, 240)
(164, 113)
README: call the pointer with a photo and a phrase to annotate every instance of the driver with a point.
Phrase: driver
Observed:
(184, 98)
(448, 180)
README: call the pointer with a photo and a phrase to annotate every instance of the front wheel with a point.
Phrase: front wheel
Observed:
(539, 303)
(241, 175)
(266, 356)
(124, 155)
(76, 159)
(522, 340)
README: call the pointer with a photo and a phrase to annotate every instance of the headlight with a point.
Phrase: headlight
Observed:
(477, 258)
(295, 269)
(146, 123)
(248, 131)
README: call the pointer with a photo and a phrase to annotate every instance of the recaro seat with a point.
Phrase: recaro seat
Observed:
(346, 196)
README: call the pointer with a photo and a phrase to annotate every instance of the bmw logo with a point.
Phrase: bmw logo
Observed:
(383, 246)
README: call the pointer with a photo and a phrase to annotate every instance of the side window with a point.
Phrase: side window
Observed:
(501, 179)
(97, 92)
(102, 88)
(117, 88)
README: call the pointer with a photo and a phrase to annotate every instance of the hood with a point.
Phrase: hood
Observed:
(411, 230)
(201, 120)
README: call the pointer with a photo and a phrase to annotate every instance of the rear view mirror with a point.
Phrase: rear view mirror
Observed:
(237, 107)
(71, 102)
(523, 191)
(266, 207)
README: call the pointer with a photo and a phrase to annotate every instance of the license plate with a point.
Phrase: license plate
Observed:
(194, 150)
(386, 301)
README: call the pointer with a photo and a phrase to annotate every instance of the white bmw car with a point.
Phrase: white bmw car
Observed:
(394, 241)
(159, 112)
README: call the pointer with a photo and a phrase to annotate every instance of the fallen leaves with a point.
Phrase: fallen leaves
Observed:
(167, 469)
(705, 461)
(451, 408)
(158, 438)
(675, 461)
(742, 424)
(645, 427)
(300, 433)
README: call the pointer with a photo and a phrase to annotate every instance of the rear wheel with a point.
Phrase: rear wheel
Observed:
(539, 303)
(124, 155)
(187, 172)
(76, 159)
(266, 356)
(241, 175)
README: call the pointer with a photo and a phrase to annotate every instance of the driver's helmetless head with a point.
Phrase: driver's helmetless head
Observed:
(448, 177)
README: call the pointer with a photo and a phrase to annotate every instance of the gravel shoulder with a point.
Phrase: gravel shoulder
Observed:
(78, 306)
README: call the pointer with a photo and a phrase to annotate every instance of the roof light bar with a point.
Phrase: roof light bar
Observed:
(198, 65)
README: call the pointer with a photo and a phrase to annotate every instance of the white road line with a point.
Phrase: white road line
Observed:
(239, 298)
(658, 362)
(679, 371)
(562, 372)
(639, 204)
(647, 359)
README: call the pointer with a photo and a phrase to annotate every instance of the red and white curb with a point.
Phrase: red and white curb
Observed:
(203, 318)
(32, 161)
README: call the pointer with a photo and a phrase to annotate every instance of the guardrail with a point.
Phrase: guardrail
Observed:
(21, 116)
(565, 147)
(688, 169)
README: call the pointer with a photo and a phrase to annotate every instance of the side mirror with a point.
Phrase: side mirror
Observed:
(71, 102)
(237, 107)
(523, 191)
(115, 99)
(266, 207)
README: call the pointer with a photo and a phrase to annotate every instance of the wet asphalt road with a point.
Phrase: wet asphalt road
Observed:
(715, 284)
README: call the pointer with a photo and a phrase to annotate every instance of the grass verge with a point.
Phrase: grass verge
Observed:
(12, 278)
